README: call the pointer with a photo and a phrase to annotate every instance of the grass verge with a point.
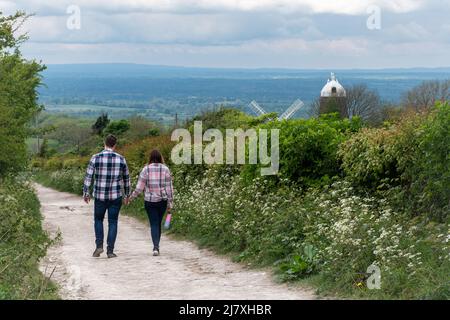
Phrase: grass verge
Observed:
(23, 243)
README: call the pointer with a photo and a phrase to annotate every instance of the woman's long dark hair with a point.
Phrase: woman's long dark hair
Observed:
(156, 157)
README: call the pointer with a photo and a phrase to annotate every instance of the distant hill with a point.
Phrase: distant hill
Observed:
(159, 92)
(157, 71)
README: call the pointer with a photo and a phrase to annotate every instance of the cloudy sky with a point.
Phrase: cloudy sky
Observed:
(240, 33)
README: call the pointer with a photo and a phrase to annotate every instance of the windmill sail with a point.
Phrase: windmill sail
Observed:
(257, 108)
(292, 110)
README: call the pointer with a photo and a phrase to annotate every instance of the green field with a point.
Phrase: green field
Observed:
(93, 111)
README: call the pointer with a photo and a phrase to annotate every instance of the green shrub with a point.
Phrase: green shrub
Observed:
(297, 266)
(225, 118)
(429, 173)
(22, 243)
(117, 128)
(37, 163)
(369, 157)
(412, 154)
(308, 148)
(67, 180)
(53, 164)
(75, 163)
(137, 153)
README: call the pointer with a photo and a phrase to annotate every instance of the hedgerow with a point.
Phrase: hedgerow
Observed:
(412, 154)
(22, 243)
(308, 148)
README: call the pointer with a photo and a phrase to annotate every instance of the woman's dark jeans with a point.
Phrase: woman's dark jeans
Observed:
(155, 212)
(100, 207)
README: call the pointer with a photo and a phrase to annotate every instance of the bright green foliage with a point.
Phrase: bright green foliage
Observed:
(22, 240)
(22, 243)
(19, 80)
(117, 128)
(308, 148)
(69, 180)
(413, 154)
(154, 132)
(138, 153)
(298, 265)
(223, 118)
(429, 173)
(76, 163)
(53, 164)
(369, 156)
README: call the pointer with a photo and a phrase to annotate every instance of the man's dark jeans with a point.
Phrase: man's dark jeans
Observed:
(100, 207)
(155, 212)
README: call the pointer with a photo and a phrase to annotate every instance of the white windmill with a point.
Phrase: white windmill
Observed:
(286, 115)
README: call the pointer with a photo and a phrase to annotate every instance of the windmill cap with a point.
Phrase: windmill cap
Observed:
(333, 88)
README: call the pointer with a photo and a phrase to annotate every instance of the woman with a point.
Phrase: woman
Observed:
(156, 182)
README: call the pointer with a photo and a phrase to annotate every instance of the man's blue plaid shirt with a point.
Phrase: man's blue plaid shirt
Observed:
(110, 172)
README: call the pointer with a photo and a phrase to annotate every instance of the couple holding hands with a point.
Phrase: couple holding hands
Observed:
(112, 186)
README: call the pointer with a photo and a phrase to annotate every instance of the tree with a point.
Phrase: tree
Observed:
(43, 149)
(141, 128)
(117, 128)
(71, 135)
(19, 80)
(153, 132)
(39, 131)
(78, 136)
(425, 95)
(314, 108)
(363, 103)
(100, 124)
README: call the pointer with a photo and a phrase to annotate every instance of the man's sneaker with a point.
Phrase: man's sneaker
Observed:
(111, 255)
(97, 252)
(155, 252)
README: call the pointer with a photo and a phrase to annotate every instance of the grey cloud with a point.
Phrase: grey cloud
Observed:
(351, 7)
(200, 29)
(248, 32)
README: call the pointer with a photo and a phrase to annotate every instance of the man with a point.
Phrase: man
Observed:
(110, 172)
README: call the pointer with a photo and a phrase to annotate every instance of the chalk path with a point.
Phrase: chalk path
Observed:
(182, 271)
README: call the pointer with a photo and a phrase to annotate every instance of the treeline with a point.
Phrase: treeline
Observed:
(22, 241)
(54, 134)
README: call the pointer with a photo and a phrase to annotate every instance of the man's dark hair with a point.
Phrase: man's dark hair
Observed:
(110, 141)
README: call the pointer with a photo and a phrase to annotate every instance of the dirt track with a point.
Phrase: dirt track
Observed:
(182, 271)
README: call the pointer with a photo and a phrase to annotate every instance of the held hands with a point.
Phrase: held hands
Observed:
(127, 201)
